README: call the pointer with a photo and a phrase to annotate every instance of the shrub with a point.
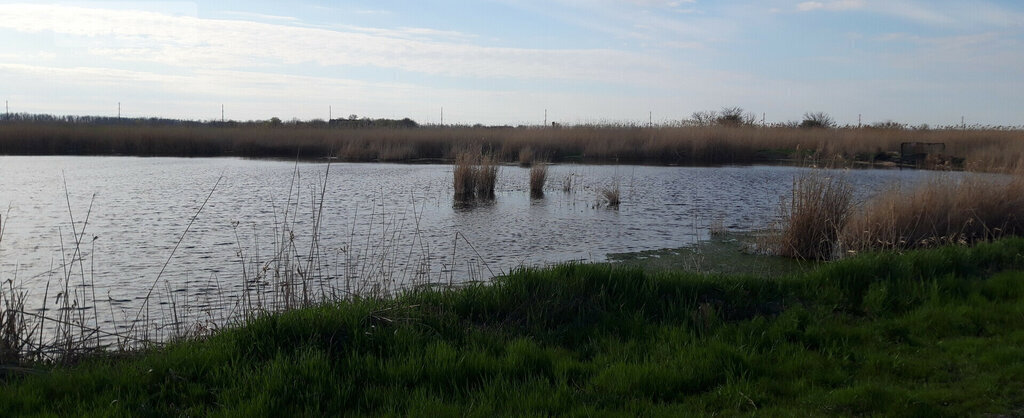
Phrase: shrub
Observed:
(817, 120)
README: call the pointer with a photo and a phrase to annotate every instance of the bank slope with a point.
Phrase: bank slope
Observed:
(937, 333)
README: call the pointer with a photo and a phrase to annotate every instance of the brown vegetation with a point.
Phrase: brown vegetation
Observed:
(474, 175)
(814, 217)
(612, 195)
(538, 175)
(973, 149)
(939, 212)
(821, 221)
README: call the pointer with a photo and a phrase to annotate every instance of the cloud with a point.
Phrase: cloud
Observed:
(260, 16)
(837, 5)
(942, 13)
(647, 21)
(190, 42)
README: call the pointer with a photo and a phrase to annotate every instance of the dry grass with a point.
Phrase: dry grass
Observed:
(538, 175)
(814, 217)
(941, 211)
(975, 149)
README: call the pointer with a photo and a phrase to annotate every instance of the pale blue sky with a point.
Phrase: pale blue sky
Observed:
(506, 61)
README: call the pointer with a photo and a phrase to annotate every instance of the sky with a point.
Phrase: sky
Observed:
(513, 61)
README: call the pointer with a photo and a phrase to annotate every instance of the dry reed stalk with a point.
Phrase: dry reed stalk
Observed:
(538, 175)
(465, 175)
(816, 213)
(569, 182)
(717, 227)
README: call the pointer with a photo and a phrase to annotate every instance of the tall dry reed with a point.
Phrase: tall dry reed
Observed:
(941, 211)
(486, 176)
(474, 175)
(464, 175)
(820, 222)
(814, 217)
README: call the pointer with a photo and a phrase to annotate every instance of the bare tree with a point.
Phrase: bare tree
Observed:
(735, 116)
(704, 118)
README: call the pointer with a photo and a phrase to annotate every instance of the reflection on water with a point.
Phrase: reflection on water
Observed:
(395, 224)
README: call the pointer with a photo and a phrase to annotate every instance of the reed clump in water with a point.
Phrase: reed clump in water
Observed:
(465, 176)
(611, 195)
(538, 176)
(486, 176)
(814, 217)
(475, 175)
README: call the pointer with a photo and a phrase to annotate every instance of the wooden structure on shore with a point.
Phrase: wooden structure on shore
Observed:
(915, 154)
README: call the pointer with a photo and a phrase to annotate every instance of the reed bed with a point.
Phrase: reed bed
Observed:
(821, 222)
(973, 149)
(941, 211)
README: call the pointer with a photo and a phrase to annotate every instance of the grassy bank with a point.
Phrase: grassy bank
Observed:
(976, 149)
(927, 333)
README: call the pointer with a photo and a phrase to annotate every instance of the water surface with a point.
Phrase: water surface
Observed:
(378, 223)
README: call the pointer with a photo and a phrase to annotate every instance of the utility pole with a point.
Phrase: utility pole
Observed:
(7, 107)
(545, 117)
(963, 125)
(222, 113)
(650, 119)
(330, 114)
(858, 121)
(762, 118)
(442, 115)
(119, 110)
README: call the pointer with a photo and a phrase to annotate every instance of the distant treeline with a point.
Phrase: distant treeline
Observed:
(351, 122)
(717, 141)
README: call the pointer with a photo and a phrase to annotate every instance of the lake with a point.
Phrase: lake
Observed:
(338, 228)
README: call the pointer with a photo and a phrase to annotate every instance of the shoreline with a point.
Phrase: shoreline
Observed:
(938, 335)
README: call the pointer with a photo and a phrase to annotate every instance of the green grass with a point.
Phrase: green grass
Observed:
(929, 333)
